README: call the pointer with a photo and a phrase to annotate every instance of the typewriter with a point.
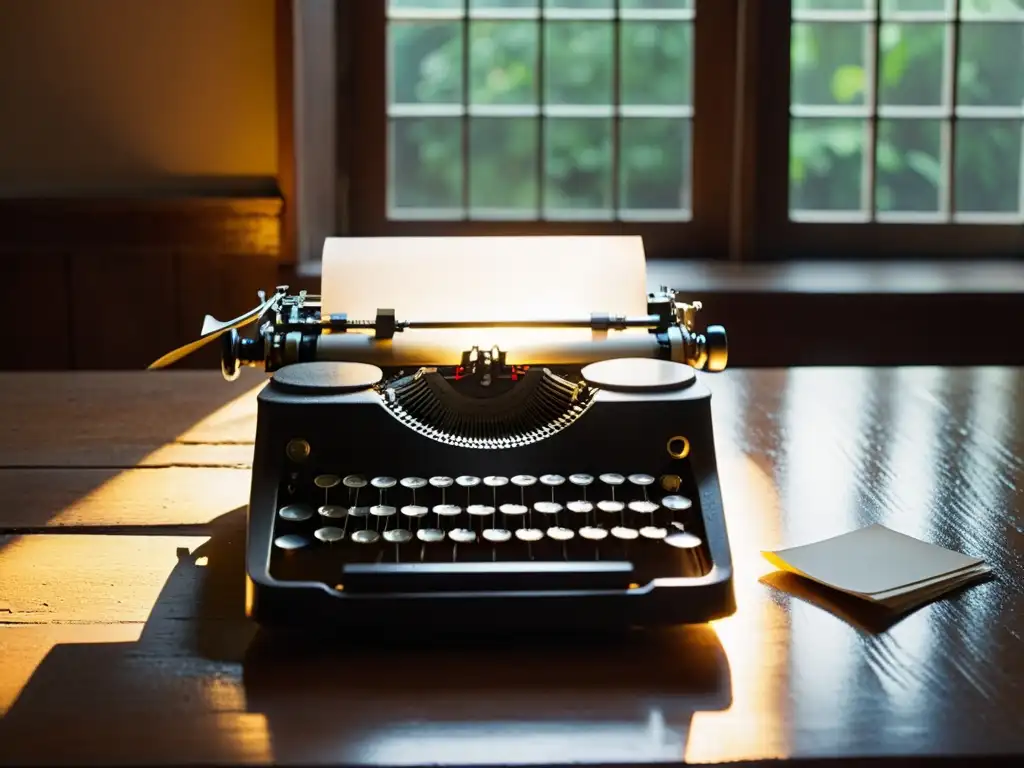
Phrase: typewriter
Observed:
(400, 481)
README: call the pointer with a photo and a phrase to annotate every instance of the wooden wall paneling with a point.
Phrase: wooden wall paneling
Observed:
(123, 308)
(37, 313)
(130, 279)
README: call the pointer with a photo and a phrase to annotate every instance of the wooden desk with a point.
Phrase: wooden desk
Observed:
(122, 640)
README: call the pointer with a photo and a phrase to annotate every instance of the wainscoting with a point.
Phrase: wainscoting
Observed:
(114, 284)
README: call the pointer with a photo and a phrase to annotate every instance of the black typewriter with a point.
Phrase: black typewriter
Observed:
(555, 488)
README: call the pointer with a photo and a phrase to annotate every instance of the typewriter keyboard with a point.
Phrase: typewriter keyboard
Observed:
(647, 520)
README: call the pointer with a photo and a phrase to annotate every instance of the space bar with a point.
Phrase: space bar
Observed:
(486, 577)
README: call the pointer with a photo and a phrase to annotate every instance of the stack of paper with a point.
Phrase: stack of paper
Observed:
(882, 566)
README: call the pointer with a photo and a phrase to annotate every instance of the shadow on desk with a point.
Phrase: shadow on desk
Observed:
(201, 683)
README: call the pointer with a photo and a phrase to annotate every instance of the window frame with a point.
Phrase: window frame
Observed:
(740, 155)
(364, 143)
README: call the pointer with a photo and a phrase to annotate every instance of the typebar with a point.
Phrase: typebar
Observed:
(486, 577)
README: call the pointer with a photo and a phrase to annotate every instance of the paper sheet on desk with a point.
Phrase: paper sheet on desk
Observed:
(880, 565)
(484, 278)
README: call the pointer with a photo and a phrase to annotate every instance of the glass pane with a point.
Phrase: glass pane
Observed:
(890, 7)
(657, 4)
(602, 4)
(988, 166)
(654, 169)
(426, 163)
(913, 64)
(826, 166)
(686, 5)
(656, 63)
(981, 9)
(991, 71)
(427, 5)
(829, 63)
(503, 62)
(425, 62)
(833, 5)
(503, 164)
(531, 4)
(578, 62)
(909, 161)
(578, 164)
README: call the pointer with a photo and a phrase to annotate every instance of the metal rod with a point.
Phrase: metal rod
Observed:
(644, 321)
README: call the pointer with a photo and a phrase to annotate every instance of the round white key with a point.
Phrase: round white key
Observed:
(441, 482)
(414, 510)
(383, 482)
(580, 507)
(326, 481)
(354, 481)
(497, 535)
(495, 481)
(365, 537)
(413, 483)
(606, 505)
(291, 541)
(479, 510)
(593, 533)
(467, 481)
(626, 534)
(382, 510)
(358, 511)
(653, 532)
(552, 480)
(676, 503)
(529, 534)
(333, 511)
(683, 540)
(430, 535)
(524, 481)
(641, 480)
(558, 533)
(329, 534)
(548, 507)
(295, 512)
(398, 536)
(447, 510)
(643, 507)
(611, 478)
(581, 479)
(515, 510)
(462, 535)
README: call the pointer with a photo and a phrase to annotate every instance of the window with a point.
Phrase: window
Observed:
(713, 128)
(900, 133)
(913, 114)
(511, 112)
(543, 116)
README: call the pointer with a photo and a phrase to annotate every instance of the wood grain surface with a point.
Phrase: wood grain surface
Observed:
(122, 636)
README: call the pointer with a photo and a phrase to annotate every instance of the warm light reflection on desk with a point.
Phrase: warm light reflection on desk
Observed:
(749, 726)
(163, 487)
(96, 565)
(819, 501)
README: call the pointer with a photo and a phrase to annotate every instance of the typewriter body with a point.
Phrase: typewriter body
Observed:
(400, 480)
